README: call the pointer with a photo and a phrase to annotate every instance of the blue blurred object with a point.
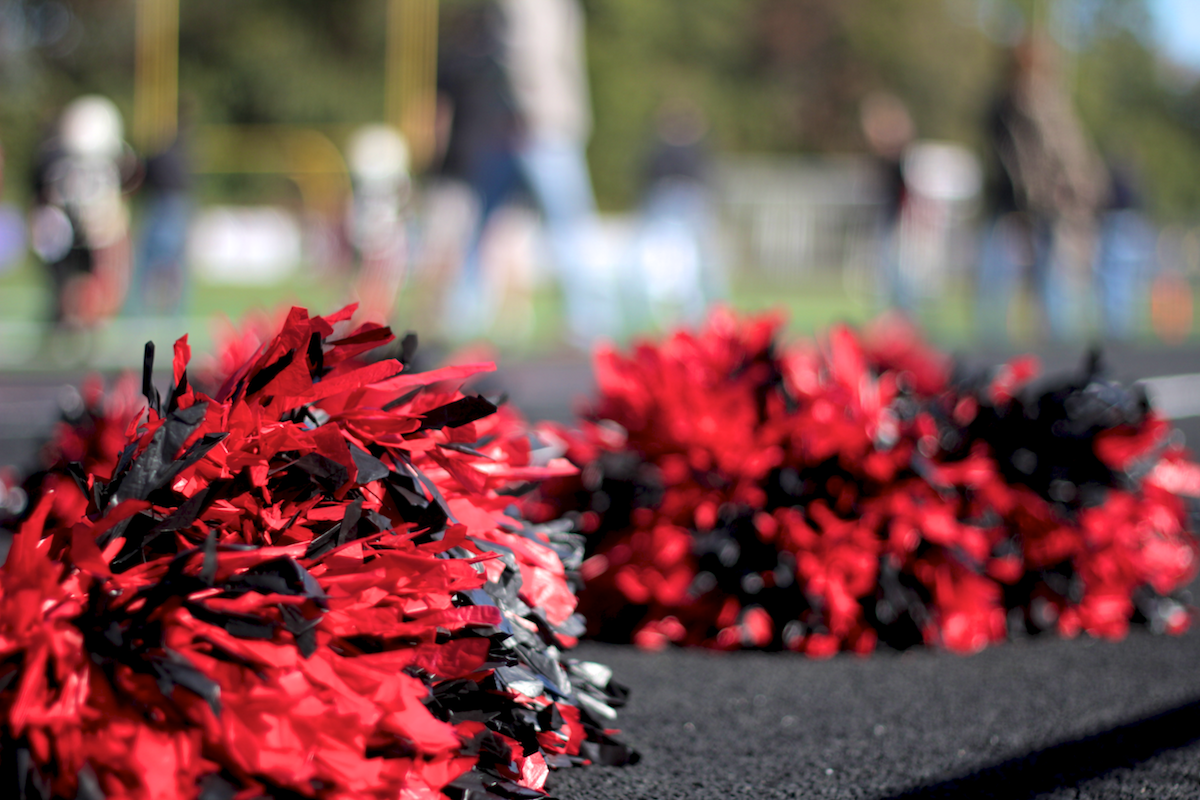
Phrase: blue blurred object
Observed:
(675, 263)
(12, 237)
(1124, 256)
(160, 275)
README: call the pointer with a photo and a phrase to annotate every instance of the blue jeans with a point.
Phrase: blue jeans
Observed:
(557, 173)
(673, 268)
(1126, 250)
(1013, 245)
(160, 276)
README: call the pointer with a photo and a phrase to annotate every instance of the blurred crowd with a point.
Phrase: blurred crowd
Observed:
(1058, 222)
(508, 197)
(508, 192)
(515, 119)
(1060, 216)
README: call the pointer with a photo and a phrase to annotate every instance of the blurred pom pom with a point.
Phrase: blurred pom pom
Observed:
(835, 494)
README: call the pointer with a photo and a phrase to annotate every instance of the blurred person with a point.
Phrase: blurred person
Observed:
(510, 250)
(677, 271)
(514, 80)
(445, 213)
(942, 183)
(545, 63)
(79, 223)
(1046, 189)
(889, 130)
(479, 132)
(159, 286)
(1124, 256)
(378, 157)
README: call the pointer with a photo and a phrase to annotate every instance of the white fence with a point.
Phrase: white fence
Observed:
(789, 218)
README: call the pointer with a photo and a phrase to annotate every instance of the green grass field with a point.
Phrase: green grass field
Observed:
(527, 327)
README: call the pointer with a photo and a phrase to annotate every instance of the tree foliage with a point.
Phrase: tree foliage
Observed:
(789, 75)
(773, 75)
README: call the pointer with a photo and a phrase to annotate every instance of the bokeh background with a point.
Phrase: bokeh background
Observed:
(838, 157)
(526, 178)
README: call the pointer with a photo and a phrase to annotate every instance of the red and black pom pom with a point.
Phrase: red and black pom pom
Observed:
(832, 495)
(311, 582)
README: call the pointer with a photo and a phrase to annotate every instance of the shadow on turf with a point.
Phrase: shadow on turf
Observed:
(1070, 763)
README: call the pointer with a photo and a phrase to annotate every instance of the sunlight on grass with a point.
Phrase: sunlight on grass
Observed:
(528, 325)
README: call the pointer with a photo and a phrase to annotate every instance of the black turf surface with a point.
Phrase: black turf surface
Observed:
(1035, 718)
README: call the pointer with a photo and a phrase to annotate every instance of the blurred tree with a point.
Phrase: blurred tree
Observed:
(51, 52)
(1138, 120)
(303, 62)
(777, 75)
(773, 75)
(299, 62)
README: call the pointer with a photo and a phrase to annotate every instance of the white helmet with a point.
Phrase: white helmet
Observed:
(378, 154)
(91, 126)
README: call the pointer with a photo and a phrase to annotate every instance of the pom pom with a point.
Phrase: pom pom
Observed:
(837, 494)
(311, 581)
